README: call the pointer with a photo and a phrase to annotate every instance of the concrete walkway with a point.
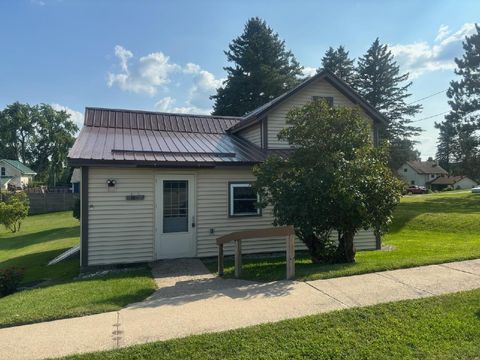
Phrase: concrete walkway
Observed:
(192, 301)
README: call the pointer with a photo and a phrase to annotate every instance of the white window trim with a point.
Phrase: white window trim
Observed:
(231, 187)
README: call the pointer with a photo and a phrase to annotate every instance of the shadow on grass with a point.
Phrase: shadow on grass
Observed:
(36, 267)
(19, 240)
(274, 268)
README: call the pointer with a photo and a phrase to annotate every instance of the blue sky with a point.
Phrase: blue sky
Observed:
(168, 55)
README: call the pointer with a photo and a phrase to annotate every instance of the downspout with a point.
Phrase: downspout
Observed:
(84, 218)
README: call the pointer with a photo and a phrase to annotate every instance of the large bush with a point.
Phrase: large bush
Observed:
(9, 280)
(335, 180)
(13, 210)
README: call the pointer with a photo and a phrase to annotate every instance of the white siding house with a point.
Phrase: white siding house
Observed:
(14, 173)
(421, 173)
(158, 185)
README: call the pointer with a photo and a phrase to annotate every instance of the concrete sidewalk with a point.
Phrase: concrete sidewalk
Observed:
(192, 301)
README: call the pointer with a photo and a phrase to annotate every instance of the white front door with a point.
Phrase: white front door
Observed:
(175, 216)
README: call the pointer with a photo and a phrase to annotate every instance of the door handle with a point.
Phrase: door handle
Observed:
(193, 221)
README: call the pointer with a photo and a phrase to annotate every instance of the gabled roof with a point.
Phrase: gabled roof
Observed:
(164, 139)
(150, 138)
(448, 180)
(257, 114)
(24, 170)
(427, 167)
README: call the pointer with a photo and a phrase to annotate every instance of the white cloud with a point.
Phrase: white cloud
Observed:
(38, 2)
(191, 68)
(309, 71)
(166, 104)
(421, 57)
(155, 71)
(442, 33)
(146, 76)
(204, 85)
(75, 116)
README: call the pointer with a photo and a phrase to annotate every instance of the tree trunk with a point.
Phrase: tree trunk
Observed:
(314, 248)
(346, 250)
(378, 239)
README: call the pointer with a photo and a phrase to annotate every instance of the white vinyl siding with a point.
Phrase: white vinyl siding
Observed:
(411, 176)
(276, 118)
(122, 231)
(252, 134)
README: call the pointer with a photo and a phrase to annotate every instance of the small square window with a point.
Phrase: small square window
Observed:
(242, 200)
(405, 170)
(3, 172)
(328, 99)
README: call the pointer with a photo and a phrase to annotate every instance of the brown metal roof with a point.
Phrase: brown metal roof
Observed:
(149, 120)
(159, 139)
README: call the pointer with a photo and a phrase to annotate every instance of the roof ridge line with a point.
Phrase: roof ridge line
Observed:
(163, 113)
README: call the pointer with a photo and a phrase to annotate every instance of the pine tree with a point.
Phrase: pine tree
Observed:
(338, 62)
(459, 138)
(379, 81)
(262, 70)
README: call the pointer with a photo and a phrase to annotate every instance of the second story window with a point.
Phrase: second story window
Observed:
(328, 99)
(3, 172)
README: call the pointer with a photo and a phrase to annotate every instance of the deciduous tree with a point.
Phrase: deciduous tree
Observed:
(334, 180)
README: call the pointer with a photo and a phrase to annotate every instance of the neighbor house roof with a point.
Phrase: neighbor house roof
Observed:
(141, 137)
(25, 170)
(448, 180)
(427, 167)
(257, 114)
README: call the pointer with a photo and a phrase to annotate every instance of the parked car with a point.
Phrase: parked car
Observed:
(476, 189)
(415, 189)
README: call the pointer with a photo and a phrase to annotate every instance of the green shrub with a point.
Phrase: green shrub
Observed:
(13, 210)
(9, 280)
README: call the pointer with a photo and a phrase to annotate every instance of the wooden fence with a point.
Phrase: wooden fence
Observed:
(51, 202)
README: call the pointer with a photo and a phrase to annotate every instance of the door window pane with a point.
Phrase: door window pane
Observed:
(175, 206)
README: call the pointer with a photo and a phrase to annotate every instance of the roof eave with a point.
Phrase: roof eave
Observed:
(156, 164)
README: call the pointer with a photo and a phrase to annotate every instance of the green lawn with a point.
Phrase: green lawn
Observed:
(41, 238)
(427, 229)
(446, 327)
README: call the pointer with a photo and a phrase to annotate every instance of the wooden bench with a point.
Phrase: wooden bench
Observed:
(237, 237)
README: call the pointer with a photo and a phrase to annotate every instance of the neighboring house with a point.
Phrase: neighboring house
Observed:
(421, 173)
(159, 185)
(14, 173)
(453, 182)
(75, 180)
